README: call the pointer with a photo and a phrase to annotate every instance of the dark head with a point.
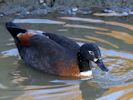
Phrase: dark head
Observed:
(91, 52)
(14, 29)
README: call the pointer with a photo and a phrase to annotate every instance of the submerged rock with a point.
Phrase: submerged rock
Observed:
(68, 10)
(39, 11)
(116, 11)
(84, 11)
(74, 11)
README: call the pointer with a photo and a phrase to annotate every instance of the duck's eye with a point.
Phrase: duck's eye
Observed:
(91, 52)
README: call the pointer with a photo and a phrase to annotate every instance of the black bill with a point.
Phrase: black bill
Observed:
(101, 65)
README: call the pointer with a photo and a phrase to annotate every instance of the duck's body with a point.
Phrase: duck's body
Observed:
(45, 54)
(50, 52)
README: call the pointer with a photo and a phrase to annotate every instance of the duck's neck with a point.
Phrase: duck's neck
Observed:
(84, 65)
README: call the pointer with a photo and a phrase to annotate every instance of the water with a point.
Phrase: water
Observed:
(114, 35)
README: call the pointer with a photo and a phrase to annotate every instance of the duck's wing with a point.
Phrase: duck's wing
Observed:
(64, 42)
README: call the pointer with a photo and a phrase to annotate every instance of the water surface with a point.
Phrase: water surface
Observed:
(114, 36)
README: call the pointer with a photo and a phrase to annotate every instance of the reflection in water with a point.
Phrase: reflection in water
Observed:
(119, 35)
(102, 41)
(11, 52)
(111, 14)
(83, 19)
(83, 40)
(118, 93)
(117, 54)
(86, 27)
(19, 82)
(62, 30)
(2, 86)
(128, 26)
(118, 88)
(57, 93)
(46, 21)
(124, 69)
(36, 85)
(62, 89)
(124, 25)
(42, 86)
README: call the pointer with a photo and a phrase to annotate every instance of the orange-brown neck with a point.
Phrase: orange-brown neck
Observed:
(24, 38)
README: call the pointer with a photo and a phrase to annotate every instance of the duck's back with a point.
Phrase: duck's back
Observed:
(64, 42)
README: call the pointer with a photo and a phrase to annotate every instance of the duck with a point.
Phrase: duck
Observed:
(55, 54)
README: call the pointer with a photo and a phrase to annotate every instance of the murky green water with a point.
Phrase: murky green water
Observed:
(113, 34)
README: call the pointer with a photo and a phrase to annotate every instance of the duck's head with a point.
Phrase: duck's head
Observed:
(90, 52)
(14, 29)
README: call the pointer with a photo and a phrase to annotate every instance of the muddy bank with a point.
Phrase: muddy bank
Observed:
(71, 7)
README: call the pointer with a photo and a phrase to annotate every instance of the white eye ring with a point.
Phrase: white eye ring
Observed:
(91, 52)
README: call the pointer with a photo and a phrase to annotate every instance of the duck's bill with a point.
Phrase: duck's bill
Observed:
(101, 65)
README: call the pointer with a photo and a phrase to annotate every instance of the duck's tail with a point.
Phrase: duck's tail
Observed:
(14, 29)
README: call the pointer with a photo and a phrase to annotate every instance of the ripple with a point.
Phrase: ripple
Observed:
(81, 39)
(62, 30)
(102, 41)
(29, 84)
(118, 92)
(114, 53)
(11, 52)
(57, 93)
(85, 27)
(111, 14)
(45, 21)
(82, 19)
(2, 86)
(128, 26)
(68, 82)
(119, 35)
